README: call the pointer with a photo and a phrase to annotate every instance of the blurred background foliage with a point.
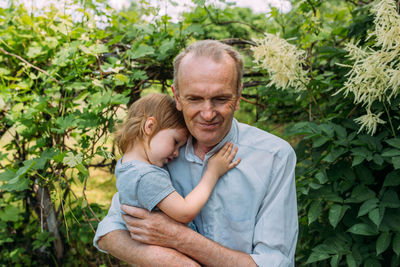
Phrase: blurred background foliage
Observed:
(65, 80)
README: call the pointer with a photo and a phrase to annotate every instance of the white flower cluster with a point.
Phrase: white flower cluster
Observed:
(375, 74)
(283, 62)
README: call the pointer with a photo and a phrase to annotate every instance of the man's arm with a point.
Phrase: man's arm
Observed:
(119, 244)
(113, 237)
(156, 228)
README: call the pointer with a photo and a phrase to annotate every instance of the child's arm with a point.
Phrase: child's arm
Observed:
(185, 209)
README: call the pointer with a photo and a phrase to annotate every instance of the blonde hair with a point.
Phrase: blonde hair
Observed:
(214, 50)
(160, 106)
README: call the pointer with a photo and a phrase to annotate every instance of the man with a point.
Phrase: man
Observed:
(251, 217)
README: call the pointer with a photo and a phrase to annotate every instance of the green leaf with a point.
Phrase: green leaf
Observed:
(317, 256)
(319, 141)
(315, 186)
(367, 206)
(9, 214)
(4, 72)
(390, 199)
(392, 179)
(196, 29)
(363, 229)
(371, 263)
(357, 160)
(314, 211)
(360, 193)
(34, 51)
(321, 177)
(82, 169)
(19, 182)
(396, 244)
(395, 142)
(94, 49)
(335, 260)
(378, 159)
(396, 162)
(334, 154)
(336, 213)
(7, 175)
(351, 262)
(391, 153)
(141, 51)
(166, 46)
(340, 131)
(121, 77)
(376, 216)
(362, 152)
(71, 160)
(64, 123)
(383, 242)
(328, 129)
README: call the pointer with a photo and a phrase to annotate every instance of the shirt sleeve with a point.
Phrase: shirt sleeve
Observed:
(276, 229)
(152, 188)
(113, 221)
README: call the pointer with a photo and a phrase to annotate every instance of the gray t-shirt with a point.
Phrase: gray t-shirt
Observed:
(141, 184)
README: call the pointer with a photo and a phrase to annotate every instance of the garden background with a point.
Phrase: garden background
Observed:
(325, 76)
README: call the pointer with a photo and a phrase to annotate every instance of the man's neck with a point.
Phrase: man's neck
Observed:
(201, 150)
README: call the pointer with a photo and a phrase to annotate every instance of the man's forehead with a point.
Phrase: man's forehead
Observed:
(221, 57)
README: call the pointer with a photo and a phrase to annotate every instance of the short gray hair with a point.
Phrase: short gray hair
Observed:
(214, 50)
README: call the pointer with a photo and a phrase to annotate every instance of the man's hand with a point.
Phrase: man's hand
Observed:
(153, 228)
(119, 244)
(156, 228)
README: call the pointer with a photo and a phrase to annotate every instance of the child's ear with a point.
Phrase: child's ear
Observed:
(150, 126)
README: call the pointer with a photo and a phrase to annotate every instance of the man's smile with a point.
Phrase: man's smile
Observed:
(209, 125)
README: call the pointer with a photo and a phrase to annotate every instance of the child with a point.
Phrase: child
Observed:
(150, 137)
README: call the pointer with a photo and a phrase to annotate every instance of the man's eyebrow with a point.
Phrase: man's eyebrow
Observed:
(215, 96)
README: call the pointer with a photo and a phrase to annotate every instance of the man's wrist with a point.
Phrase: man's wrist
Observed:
(183, 235)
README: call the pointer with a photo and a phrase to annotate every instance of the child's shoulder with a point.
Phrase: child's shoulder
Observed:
(138, 168)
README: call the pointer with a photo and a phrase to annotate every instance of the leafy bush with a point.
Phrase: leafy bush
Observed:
(65, 81)
(347, 180)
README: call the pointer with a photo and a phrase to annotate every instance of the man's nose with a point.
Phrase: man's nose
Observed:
(207, 111)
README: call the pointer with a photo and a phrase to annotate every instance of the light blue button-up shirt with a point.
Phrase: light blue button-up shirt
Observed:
(252, 208)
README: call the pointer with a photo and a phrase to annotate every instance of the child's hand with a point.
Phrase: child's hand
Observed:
(221, 162)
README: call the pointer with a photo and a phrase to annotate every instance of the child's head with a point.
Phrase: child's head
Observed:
(160, 107)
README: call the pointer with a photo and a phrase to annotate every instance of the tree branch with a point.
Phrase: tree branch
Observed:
(29, 64)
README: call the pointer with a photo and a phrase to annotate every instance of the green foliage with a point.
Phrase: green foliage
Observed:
(65, 82)
(347, 181)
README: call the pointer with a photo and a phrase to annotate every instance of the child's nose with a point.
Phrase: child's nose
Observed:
(176, 153)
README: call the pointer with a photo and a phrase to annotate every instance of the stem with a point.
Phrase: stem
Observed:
(29, 64)
(390, 120)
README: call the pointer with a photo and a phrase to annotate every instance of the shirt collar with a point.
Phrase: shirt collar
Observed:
(230, 137)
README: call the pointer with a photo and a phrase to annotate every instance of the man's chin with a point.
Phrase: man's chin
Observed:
(208, 139)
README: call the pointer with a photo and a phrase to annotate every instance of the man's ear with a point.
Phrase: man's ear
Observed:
(237, 104)
(177, 100)
(150, 125)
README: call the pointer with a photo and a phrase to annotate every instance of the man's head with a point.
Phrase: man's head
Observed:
(214, 50)
(207, 88)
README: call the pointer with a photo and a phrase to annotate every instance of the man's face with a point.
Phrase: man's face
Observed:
(207, 97)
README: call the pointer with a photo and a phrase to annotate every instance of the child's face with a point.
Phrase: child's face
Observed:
(164, 146)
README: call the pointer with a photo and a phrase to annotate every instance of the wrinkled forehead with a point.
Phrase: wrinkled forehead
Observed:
(206, 65)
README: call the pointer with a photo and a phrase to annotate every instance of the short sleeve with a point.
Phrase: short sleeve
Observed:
(152, 188)
(113, 221)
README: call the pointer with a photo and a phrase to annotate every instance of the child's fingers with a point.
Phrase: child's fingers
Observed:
(224, 149)
(235, 163)
(232, 154)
